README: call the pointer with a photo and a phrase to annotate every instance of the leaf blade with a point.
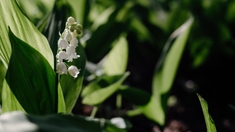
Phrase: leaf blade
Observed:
(36, 90)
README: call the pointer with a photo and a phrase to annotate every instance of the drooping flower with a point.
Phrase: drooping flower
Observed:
(61, 68)
(71, 52)
(74, 42)
(73, 71)
(62, 55)
(62, 43)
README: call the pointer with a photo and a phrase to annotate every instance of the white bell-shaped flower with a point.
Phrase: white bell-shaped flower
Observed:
(68, 36)
(71, 52)
(74, 42)
(61, 68)
(62, 44)
(73, 71)
(62, 55)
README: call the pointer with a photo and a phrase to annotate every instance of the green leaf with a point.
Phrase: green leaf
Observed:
(72, 87)
(101, 94)
(116, 24)
(116, 61)
(9, 101)
(210, 125)
(61, 101)
(137, 96)
(21, 122)
(31, 78)
(166, 71)
(22, 28)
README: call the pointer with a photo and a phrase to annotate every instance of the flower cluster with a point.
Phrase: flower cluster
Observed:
(67, 44)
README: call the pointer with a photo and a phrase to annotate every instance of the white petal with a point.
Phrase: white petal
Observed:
(62, 43)
(61, 68)
(119, 122)
(71, 50)
(73, 71)
(61, 56)
(74, 42)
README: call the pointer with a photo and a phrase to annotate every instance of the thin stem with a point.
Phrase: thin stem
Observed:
(94, 111)
(119, 104)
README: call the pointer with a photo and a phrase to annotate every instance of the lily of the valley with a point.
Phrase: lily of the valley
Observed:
(73, 71)
(67, 48)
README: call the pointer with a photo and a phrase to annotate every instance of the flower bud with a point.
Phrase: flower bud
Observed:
(70, 20)
(68, 36)
(74, 34)
(73, 71)
(78, 26)
(71, 28)
(78, 31)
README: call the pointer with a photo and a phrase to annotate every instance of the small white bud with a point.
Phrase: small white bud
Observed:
(68, 36)
(70, 20)
(73, 71)
(74, 34)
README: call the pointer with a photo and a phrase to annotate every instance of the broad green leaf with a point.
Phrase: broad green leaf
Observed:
(100, 95)
(210, 125)
(21, 122)
(40, 8)
(22, 28)
(145, 102)
(166, 70)
(101, 82)
(9, 101)
(31, 78)
(72, 87)
(116, 61)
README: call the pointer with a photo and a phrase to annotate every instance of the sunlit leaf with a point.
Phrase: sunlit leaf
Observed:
(98, 96)
(23, 29)
(9, 101)
(31, 78)
(210, 125)
(116, 61)
(166, 71)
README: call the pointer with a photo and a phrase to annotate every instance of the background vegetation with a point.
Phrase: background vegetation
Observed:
(127, 45)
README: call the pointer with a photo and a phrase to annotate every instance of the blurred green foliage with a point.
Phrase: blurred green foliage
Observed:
(144, 27)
